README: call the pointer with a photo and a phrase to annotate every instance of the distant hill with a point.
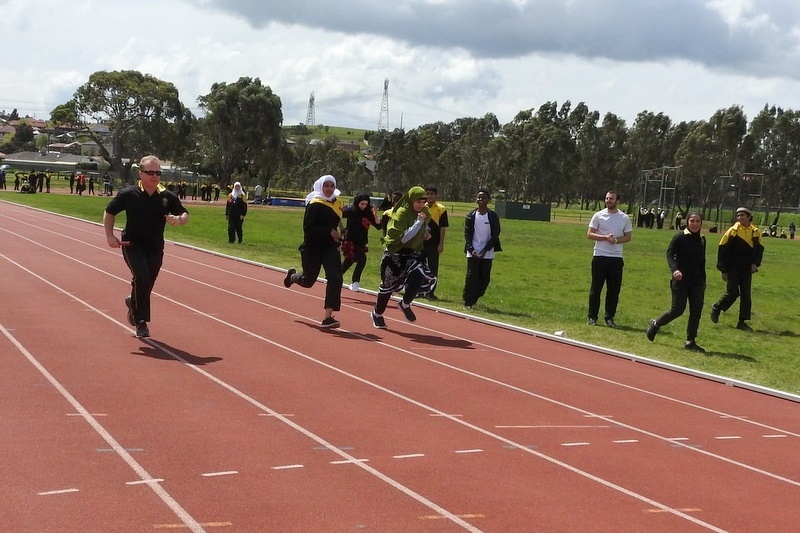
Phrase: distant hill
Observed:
(322, 132)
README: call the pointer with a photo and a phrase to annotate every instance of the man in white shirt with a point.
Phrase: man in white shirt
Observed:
(482, 236)
(609, 228)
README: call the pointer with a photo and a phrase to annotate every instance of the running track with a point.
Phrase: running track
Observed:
(239, 414)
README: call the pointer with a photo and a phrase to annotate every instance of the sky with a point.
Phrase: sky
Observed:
(444, 59)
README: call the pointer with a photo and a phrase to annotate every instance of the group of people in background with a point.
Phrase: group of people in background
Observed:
(413, 225)
(739, 256)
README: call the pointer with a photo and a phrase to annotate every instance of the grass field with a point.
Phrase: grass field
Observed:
(540, 281)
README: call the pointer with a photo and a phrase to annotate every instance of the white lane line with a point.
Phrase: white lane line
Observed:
(677, 439)
(774, 436)
(626, 441)
(144, 481)
(569, 444)
(408, 456)
(551, 427)
(53, 492)
(214, 474)
(78, 414)
(286, 467)
(728, 437)
(349, 461)
(477, 450)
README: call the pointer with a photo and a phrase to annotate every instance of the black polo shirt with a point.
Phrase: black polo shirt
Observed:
(146, 214)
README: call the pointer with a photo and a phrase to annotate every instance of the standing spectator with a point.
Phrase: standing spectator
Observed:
(216, 192)
(609, 228)
(402, 267)
(3, 179)
(482, 240)
(235, 211)
(360, 216)
(258, 192)
(33, 182)
(40, 180)
(106, 184)
(320, 248)
(91, 184)
(738, 258)
(16, 181)
(72, 182)
(148, 208)
(792, 229)
(433, 247)
(686, 257)
(81, 183)
(47, 179)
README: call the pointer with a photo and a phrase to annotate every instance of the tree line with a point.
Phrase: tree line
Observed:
(556, 154)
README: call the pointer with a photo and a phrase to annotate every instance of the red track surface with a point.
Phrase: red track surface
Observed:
(239, 414)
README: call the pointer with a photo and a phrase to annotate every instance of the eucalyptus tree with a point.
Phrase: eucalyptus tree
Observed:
(144, 114)
(242, 128)
(645, 148)
(774, 136)
(709, 152)
(464, 160)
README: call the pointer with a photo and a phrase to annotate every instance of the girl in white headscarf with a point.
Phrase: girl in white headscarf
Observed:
(320, 248)
(235, 211)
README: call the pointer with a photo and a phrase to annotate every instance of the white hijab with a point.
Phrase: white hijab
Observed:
(237, 190)
(317, 192)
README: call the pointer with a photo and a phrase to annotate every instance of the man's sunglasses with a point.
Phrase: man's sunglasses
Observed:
(151, 172)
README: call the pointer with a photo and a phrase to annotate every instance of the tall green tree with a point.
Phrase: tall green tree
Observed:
(141, 111)
(242, 129)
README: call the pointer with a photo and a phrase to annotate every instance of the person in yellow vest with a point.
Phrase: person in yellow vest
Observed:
(738, 258)
(437, 227)
(320, 248)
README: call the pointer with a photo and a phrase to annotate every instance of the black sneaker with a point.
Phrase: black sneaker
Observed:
(714, 314)
(743, 326)
(287, 281)
(377, 320)
(610, 323)
(591, 322)
(406, 309)
(652, 329)
(329, 322)
(432, 297)
(693, 347)
(129, 305)
(141, 330)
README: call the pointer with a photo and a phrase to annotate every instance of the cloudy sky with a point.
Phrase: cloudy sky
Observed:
(444, 59)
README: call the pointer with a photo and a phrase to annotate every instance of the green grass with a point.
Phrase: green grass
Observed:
(540, 281)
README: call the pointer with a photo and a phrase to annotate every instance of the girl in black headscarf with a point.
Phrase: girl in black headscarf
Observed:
(360, 216)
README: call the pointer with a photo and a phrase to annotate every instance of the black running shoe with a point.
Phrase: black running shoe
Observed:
(287, 281)
(652, 329)
(744, 326)
(142, 330)
(610, 323)
(129, 305)
(378, 321)
(329, 323)
(715, 314)
(406, 309)
(693, 347)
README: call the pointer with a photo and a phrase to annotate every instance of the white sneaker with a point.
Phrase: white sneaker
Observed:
(354, 286)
